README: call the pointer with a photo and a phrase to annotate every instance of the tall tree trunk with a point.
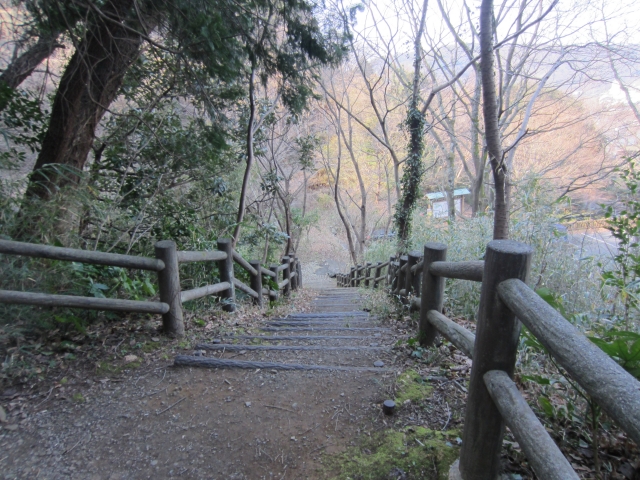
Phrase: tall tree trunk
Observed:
(479, 161)
(336, 198)
(348, 142)
(413, 167)
(90, 83)
(491, 127)
(450, 189)
(250, 156)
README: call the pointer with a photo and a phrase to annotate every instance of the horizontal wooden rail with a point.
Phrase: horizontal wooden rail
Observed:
(47, 300)
(264, 271)
(541, 451)
(166, 264)
(416, 304)
(462, 338)
(384, 264)
(493, 398)
(244, 264)
(461, 270)
(272, 294)
(84, 256)
(204, 291)
(245, 288)
(205, 256)
(610, 385)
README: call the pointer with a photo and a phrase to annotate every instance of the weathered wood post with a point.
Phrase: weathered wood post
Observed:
(169, 283)
(401, 274)
(226, 274)
(286, 275)
(390, 270)
(432, 295)
(367, 274)
(292, 269)
(256, 282)
(409, 280)
(417, 276)
(352, 277)
(299, 271)
(356, 282)
(495, 348)
(377, 273)
(273, 294)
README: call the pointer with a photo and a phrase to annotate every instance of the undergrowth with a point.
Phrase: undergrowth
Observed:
(408, 453)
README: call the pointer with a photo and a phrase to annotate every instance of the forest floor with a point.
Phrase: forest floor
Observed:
(119, 409)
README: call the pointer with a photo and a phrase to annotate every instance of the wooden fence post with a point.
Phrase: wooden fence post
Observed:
(169, 283)
(226, 274)
(400, 274)
(367, 273)
(377, 273)
(292, 268)
(390, 270)
(417, 277)
(273, 294)
(286, 275)
(354, 275)
(391, 276)
(409, 281)
(299, 272)
(432, 295)
(495, 348)
(256, 282)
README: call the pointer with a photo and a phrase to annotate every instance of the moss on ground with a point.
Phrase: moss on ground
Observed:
(411, 386)
(149, 347)
(106, 368)
(417, 451)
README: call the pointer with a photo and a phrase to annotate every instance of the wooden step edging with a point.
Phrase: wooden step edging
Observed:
(312, 329)
(306, 338)
(233, 347)
(191, 361)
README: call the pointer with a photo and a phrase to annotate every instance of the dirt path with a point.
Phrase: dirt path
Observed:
(165, 421)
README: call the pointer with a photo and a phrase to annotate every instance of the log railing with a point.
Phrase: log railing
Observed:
(494, 400)
(166, 264)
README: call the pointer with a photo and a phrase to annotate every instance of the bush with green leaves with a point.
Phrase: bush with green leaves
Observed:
(623, 274)
(557, 264)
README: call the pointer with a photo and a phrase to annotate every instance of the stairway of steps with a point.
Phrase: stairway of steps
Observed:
(335, 335)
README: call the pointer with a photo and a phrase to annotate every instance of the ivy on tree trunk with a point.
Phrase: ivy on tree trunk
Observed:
(413, 168)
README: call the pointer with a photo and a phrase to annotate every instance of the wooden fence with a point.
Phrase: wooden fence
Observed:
(166, 263)
(494, 400)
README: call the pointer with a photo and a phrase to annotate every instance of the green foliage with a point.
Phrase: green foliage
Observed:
(22, 120)
(623, 347)
(624, 225)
